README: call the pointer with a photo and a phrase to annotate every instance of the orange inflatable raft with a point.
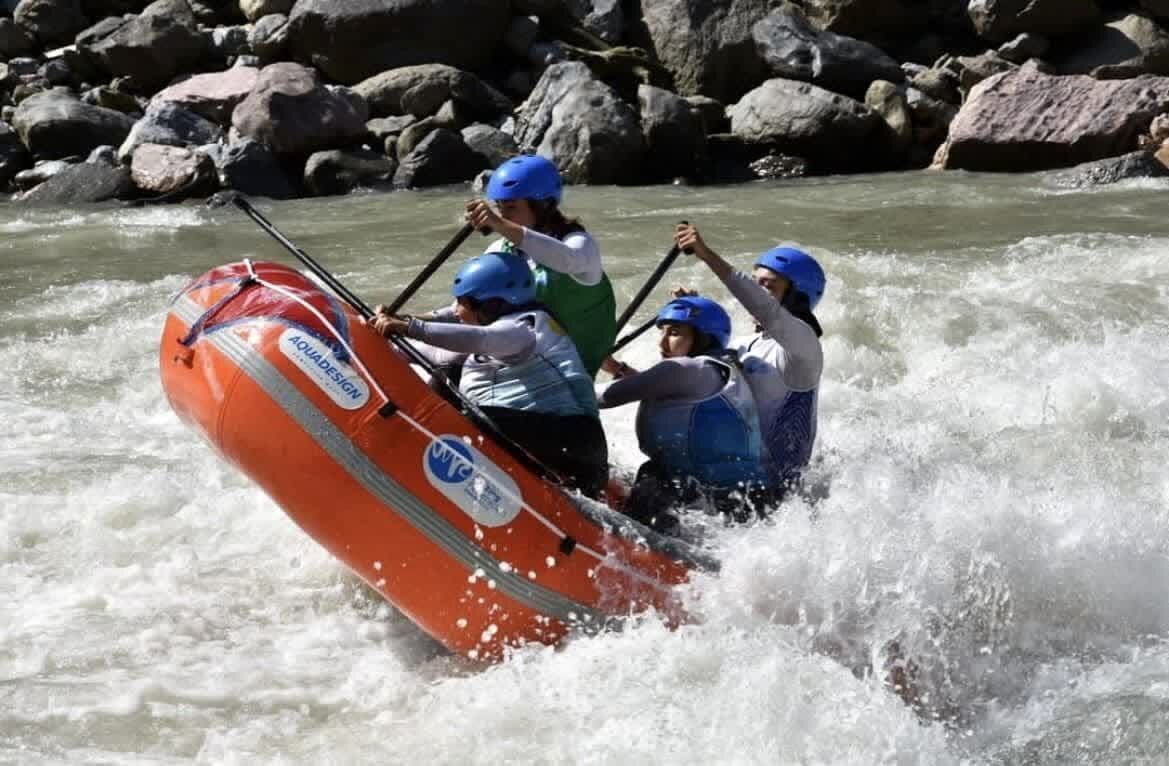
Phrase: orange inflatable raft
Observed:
(452, 527)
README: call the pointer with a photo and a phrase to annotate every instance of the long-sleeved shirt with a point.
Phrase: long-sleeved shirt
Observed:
(576, 255)
(507, 339)
(685, 378)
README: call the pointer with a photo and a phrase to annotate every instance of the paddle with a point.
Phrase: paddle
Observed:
(450, 247)
(640, 297)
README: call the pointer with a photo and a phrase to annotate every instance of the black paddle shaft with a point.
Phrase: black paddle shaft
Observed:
(333, 283)
(431, 267)
(648, 287)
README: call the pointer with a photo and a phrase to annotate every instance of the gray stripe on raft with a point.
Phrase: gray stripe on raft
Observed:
(398, 498)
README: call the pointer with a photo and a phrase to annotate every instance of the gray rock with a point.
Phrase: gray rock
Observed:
(736, 160)
(51, 22)
(254, 169)
(1000, 20)
(383, 127)
(341, 171)
(495, 146)
(56, 124)
(24, 67)
(1023, 47)
(581, 125)
(1128, 47)
(441, 158)
(940, 84)
(39, 173)
(604, 18)
(172, 170)
(931, 117)
(214, 94)
(412, 136)
(421, 90)
(880, 20)
(229, 42)
(101, 30)
(104, 154)
(707, 46)
(974, 69)
(255, 9)
(351, 41)
(1141, 164)
(1027, 120)
(833, 132)
(293, 113)
(113, 99)
(889, 101)
(169, 124)
(81, 183)
(14, 40)
(154, 46)
(792, 49)
(56, 72)
(674, 136)
(713, 114)
(269, 37)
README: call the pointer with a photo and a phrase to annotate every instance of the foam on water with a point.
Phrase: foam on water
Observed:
(993, 512)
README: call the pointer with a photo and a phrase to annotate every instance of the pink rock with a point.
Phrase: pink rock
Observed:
(213, 94)
(1027, 120)
(165, 169)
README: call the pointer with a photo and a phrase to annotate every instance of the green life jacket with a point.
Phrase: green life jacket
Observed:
(588, 313)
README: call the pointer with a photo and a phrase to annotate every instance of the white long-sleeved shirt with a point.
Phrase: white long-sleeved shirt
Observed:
(576, 255)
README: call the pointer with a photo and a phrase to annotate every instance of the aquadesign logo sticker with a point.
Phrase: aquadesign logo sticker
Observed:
(472, 482)
(336, 378)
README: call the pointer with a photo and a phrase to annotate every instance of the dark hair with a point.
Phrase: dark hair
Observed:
(797, 302)
(551, 220)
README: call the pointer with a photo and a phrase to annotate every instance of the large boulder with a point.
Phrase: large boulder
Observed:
(55, 124)
(793, 50)
(269, 37)
(352, 40)
(254, 169)
(1130, 46)
(1000, 20)
(84, 182)
(672, 130)
(293, 113)
(582, 125)
(832, 131)
(172, 170)
(891, 103)
(421, 89)
(213, 95)
(495, 146)
(253, 10)
(707, 45)
(154, 46)
(51, 22)
(1139, 164)
(441, 158)
(168, 124)
(1028, 120)
(340, 171)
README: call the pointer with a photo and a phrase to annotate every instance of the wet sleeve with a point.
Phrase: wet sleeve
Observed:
(803, 354)
(503, 339)
(577, 254)
(668, 379)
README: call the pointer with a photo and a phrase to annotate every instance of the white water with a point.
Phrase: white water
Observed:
(993, 435)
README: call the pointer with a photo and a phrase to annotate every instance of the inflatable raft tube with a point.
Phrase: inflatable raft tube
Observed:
(452, 527)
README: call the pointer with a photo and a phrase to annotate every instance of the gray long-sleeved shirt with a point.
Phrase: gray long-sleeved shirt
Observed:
(576, 255)
(684, 378)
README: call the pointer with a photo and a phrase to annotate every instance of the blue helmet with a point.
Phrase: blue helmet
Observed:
(529, 176)
(703, 314)
(496, 275)
(801, 270)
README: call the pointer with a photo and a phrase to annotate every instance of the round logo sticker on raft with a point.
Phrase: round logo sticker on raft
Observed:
(337, 379)
(469, 480)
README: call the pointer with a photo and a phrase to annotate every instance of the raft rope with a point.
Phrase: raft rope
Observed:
(455, 455)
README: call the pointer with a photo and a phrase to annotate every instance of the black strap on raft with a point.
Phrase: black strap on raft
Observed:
(197, 327)
(468, 408)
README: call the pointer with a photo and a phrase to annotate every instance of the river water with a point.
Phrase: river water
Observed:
(993, 501)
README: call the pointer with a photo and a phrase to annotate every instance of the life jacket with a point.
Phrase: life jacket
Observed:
(588, 312)
(551, 380)
(716, 440)
(787, 418)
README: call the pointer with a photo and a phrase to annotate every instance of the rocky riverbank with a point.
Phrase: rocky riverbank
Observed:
(119, 99)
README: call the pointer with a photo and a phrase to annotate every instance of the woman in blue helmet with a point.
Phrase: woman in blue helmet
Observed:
(565, 258)
(783, 360)
(519, 366)
(696, 422)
